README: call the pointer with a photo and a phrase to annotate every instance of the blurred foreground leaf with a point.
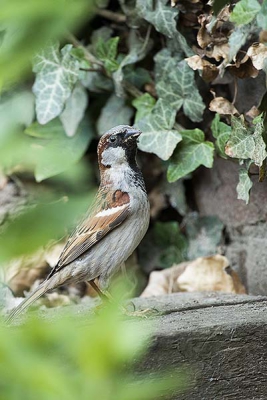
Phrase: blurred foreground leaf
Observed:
(92, 358)
(29, 25)
(39, 224)
(55, 152)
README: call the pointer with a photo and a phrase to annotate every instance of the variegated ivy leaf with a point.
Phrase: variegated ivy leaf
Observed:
(164, 18)
(144, 105)
(158, 136)
(244, 184)
(160, 15)
(74, 110)
(245, 143)
(56, 75)
(245, 11)
(176, 86)
(221, 132)
(190, 154)
(137, 51)
(115, 112)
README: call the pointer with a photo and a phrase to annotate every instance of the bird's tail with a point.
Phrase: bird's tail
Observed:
(36, 294)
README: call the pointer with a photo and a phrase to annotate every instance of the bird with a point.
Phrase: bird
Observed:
(112, 228)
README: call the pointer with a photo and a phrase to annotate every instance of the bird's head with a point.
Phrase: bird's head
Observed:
(118, 146)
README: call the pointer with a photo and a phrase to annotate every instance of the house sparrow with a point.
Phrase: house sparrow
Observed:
(115, 225)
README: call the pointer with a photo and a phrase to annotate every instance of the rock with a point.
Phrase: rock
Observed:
(246, 229)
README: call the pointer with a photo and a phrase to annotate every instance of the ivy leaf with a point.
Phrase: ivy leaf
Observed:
(137, 51)
(163, 246)
(245, 11)
(244, 184)
(164, 19)
(57, 73)
(158, 136)
(55, 151)
(221, 132)
(158, 14)
(238, 38)
(190, 154)
(136, 76)
(144, 105)
(247, 143)
(74, 110)
(177, 87)
(262, 16)
(116, 111)
(106, 51)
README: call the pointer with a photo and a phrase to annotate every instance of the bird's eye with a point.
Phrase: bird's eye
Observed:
(112, 139)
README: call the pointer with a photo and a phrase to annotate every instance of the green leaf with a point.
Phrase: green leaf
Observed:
(158, 14)
(96, 82)
(221, 132)
(106, 51)
(158, 136)
(55, 151)
(244, 184)
(204, 234)
(144, 105)
(56, 76)
(136, 76)
(190, 154)
(238, 38)
(163, 246)
(245, 143)
(74, 110)
(138, 49)
(115, 112)
(177, 87)
(245, 11)
(262, 16)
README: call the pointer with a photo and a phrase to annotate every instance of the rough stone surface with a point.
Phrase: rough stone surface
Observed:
(246, 226)
(220, 341)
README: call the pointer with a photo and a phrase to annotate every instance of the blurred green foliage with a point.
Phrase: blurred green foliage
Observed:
(28, 25)
(88, 357)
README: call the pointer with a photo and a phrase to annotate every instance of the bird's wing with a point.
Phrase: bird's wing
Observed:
(110, 211)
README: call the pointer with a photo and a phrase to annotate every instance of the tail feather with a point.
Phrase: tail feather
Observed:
(42, 289)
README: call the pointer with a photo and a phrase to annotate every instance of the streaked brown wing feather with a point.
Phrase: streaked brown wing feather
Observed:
(94, 228)
(91, 232)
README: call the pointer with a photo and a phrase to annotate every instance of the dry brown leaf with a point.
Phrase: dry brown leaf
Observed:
(21, 273)
(164, 282)
(222, 106)
(210, 274)
(210, 71)
(258, 54)
(218, 51)
(243, 69)
(203, 274)
(253, 112)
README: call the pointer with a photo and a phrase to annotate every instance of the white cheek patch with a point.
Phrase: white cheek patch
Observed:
(109, 211)
(113, 155)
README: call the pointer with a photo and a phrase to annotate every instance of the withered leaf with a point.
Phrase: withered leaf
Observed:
(222, 106)
(258, 54)
(204, 274)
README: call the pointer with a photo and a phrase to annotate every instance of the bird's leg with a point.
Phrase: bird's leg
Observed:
(102, 296)
(107, 297)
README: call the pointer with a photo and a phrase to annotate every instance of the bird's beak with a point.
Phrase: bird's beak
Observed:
(133, 133)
